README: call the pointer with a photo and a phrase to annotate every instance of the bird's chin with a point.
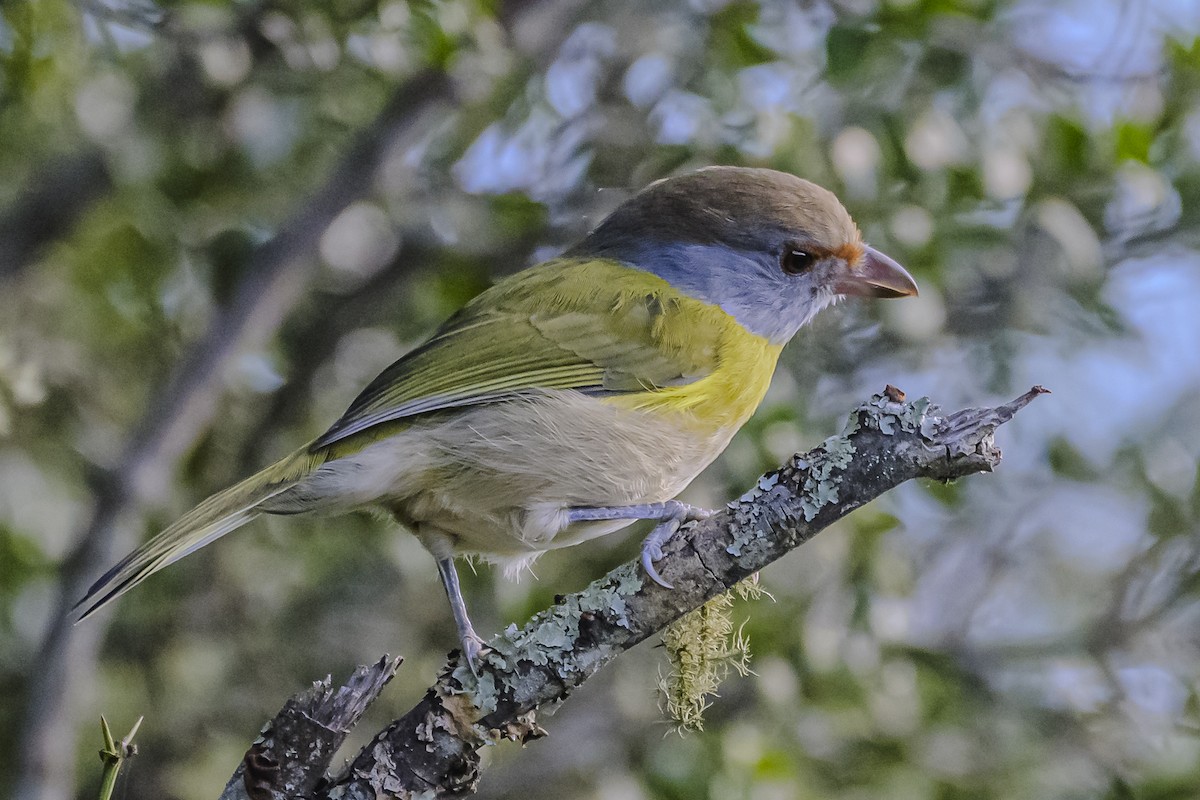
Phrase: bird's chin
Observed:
(827, 298)
(822, 299)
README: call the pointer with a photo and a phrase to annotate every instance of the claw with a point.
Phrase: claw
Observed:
(652, 546)
(650, 554)
(670, 515)
(474, 649)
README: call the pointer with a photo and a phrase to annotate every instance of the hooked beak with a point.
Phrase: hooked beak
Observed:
(875, 275)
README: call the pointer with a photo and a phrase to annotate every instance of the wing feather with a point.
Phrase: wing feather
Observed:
(590, 325)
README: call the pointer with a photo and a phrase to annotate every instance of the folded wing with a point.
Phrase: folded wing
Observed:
(593, 326)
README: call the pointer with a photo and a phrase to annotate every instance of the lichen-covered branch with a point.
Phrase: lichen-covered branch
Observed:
(433, 750)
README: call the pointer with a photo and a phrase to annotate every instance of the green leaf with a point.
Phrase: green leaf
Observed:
(731, 44)
(1133, 141)
(1067, 462)
(945, 67)
(845, 50)
(1067, 145)
(516, 213)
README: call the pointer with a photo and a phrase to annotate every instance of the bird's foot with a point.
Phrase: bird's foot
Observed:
(474, 649)
(652, 547)
(670, 516)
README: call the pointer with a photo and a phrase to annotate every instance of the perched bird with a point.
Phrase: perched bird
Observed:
(576, 396)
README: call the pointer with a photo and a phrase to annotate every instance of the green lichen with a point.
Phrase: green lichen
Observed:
(821, 475)
(820, 486)
(549, 638)
(765, 484)
(852, 424)
(702, 648)
(745, 512)
(482, 689)
(607, 596)
(886, 415)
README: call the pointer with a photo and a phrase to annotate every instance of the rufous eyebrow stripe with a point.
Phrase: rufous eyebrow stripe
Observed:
(850, 252)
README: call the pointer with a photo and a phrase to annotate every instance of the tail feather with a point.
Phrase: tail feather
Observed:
(220, 514)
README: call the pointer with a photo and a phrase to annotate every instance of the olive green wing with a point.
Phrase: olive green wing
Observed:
(593, 326)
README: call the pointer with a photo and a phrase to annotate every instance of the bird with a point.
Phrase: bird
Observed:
(573, 397)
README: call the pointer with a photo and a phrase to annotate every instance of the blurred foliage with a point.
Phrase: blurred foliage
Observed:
(1027, 634)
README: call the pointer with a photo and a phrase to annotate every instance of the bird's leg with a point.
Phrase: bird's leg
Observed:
(473, 646)
(670, 516)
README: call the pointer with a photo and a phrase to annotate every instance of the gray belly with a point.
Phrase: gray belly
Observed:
(497, 479)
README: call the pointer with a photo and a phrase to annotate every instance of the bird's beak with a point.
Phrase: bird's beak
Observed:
(875, 275)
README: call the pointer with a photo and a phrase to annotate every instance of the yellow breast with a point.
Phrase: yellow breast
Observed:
(723, 400)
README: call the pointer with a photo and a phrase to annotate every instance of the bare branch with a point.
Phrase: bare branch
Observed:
(313, 725)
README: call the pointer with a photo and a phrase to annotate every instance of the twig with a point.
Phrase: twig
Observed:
(114, 755)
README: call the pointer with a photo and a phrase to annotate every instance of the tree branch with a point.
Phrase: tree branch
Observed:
(433, 750)
(314, 722)
(58, 194)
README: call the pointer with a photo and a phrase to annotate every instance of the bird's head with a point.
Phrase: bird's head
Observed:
(769, 248)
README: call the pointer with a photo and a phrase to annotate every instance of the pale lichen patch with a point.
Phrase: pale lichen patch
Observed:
(608, 597)
(818, 478)
(747, 512)
(765, 484)
(549, 639)
(820, 487)
(702, 648)
(885, 415)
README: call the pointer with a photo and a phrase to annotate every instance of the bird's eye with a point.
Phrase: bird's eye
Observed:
(795, 262)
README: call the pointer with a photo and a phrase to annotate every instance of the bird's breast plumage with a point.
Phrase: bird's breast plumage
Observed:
(726, 397)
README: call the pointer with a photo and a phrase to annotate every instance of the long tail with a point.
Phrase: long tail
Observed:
(225, 511)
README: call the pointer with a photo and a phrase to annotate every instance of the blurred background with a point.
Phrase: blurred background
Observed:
(219, 221)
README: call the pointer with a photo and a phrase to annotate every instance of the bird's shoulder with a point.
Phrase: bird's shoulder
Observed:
(581, 303)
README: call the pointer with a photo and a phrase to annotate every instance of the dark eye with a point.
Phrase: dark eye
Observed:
(794, 261)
